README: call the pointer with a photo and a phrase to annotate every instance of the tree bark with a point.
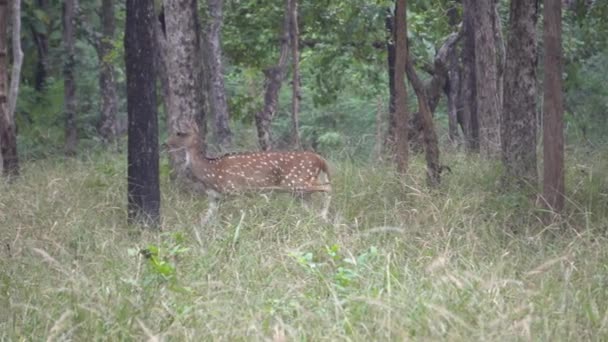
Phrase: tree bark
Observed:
(486, 73)
(42, 48)
(107, 75)
(390, 54)
(184, 65)
(273, 80)
(453, 82)
(8, 139)
(69, 83)
(401, 114)
(518, 127)
(468, 93)
(143, 180)
(433, 89)
(219, 105)
(431, 145)
(17, 58)
(500, 53)
(553, 108)
(294, 33)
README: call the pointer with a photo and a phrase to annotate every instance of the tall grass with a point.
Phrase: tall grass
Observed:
(469, 261)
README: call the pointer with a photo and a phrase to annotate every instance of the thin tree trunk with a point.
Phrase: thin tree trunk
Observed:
(17, 58)
(453, 83)
(401, 114)
(452, 89)
(8, 141)
(274, 78)
(161, 62)
(107, 75)
(431, 145)
(295, 55)
(69, 83)
(380, 138)
(518, 128)
(219, 105)
(389, 143)
(143, 170)
(433, 89)
(500, 53)
(42, 48)
(486, 73)
(553, 110)
(468, 93)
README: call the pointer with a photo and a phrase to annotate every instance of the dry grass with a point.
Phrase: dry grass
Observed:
(466, 262)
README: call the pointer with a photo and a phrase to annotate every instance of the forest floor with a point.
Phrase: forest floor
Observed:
(469, 261)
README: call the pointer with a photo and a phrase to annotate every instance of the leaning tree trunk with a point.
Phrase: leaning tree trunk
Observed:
(468, 90)
(294, 34)
(184, 63)
(433, 89)
(69, 83)
(553, 108)
(143, 181)
(219, 105)
(107, 75)
(431, 145)
(401, 114)
(518, 127)
(486, 72)
(274, 78)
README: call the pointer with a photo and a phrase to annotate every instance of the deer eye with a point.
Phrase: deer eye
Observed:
(180, 134)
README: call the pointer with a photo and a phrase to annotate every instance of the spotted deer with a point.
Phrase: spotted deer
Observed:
(297, 172)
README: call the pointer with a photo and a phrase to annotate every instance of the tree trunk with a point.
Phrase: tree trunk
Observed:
(219, 105)
(42, 48)
(296, 95)
(401, 114)
(453, 83)
(274, 78)
(468, 93)
(8, 140)
(518, 127)
(452, 89)
(143, 181)
(486, 73)
(389, 143)
(161, 61)
(433, 90)
(107, 75)
(553, 110)
(500, 54)
(380, 136)
(184, 68)
(431, 145)
(69, 83)
(17, 58)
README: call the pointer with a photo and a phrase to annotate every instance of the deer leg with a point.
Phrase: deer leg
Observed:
(326, 202)
(213, 199)
(305, 198)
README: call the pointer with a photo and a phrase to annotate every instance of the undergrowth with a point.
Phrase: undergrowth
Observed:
(468, 261)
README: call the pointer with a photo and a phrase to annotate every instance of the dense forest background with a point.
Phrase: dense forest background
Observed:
(458, 211)
(343, 70)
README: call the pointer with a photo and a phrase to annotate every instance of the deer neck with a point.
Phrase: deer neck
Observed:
(197, 163)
